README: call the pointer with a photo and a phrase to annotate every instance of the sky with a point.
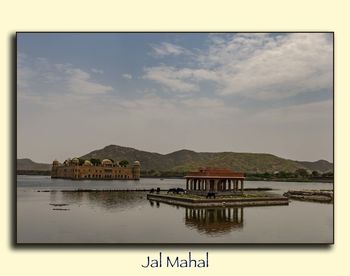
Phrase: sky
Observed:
(162, 92)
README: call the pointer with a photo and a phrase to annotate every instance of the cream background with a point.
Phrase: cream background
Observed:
(177, 16)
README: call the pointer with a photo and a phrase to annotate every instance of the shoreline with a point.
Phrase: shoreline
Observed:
(305, 180)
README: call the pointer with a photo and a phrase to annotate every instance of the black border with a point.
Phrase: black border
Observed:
(155, 246)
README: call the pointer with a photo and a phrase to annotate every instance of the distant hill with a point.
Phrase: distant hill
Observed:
(320, 165)
(187, 160)
(26, 164)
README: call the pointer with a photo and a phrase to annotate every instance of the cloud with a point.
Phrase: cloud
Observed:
(80, 82)
(39, 78)
(259, 66)
(166, 49)
(171, 78)
(127, 76)
(203, 102)
(97, 71)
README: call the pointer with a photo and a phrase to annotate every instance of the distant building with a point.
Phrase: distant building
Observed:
(71, 169)
(215, 180)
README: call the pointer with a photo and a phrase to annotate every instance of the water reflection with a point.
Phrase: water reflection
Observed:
(211, 221)
(107, 200)
(71, 197)
(214, 221)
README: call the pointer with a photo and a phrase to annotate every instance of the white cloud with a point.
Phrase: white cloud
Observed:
(97, 71)
(182, 80)
(80, 82)
(127, 76)
(259, 66)
(203, 103)
(39, 78)
(171, 78)
(165, 49)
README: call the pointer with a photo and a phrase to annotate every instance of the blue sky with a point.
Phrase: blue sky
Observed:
(163, 92)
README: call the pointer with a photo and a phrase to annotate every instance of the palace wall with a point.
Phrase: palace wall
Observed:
(95, 172)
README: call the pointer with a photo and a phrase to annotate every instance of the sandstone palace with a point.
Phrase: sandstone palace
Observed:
(106, 169)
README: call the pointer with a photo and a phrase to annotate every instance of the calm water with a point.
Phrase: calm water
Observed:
(128, 217)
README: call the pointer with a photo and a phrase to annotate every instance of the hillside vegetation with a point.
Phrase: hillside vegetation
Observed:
(187, 160)
(182, 161)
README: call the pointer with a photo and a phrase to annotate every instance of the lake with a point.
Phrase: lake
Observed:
(128, 217)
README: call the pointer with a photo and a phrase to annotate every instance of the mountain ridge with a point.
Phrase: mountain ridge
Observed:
(186, 160)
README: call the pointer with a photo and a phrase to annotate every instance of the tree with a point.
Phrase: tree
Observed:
(81, 161)
(328, 174)
(266, 175)
(282, 174)
(302, 172)
(315, 173)
(95, 161)
(123, 163)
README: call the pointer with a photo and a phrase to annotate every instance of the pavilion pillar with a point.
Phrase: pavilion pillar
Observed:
(186, 185)
(242, 185)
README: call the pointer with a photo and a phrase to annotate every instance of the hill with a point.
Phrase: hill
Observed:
(320, 165)
(186, 160)
(25, 164)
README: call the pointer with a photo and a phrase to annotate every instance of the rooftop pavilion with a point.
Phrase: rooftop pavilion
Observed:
(215, 180)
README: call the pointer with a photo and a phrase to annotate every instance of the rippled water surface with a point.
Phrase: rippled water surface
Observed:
(53, 216)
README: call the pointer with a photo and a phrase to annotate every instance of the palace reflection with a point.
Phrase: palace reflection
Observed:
(214, 221)
(105, 199)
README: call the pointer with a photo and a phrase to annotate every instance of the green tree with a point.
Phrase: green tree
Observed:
(81, 161)
(282, 174)
(315, 173)
(123, 163)
(328, 174)
(266, 175)
(95, 161)
(302, 172)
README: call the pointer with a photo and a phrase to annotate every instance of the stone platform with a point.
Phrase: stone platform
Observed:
(244, 200)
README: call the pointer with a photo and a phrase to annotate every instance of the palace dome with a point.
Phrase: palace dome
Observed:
(137, 163)
(55, 163)
(106, 162)
(75, 161)
(87, 163)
